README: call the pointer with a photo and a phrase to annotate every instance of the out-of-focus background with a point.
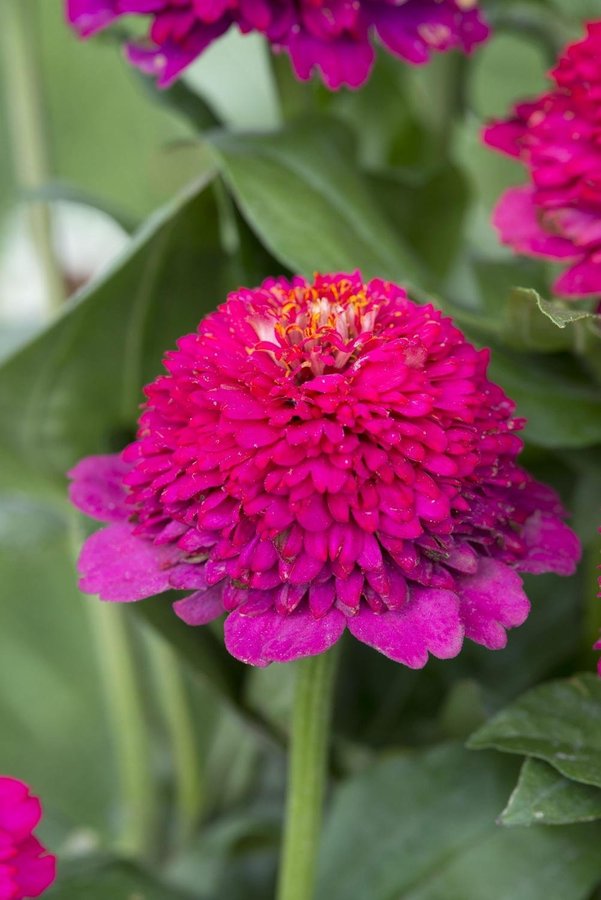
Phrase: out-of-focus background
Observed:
(129, 747)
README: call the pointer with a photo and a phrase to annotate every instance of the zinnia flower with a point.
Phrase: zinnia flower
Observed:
(26, 869)
(322, 456)
(558, 138)
(334, 37)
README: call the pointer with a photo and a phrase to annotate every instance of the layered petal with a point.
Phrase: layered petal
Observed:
(492, 601)
(201, 607)
(271, 637)
(97, 488)
(428, 623)
(117, 565)
(518, 220)
(333, 38)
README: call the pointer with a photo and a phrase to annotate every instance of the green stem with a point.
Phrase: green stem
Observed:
(19, 36)
(175, 705)
(128, 728)
(125, 707)
(306, 775)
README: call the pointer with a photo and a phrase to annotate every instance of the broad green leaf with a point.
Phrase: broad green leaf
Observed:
(303, 195)
(527, 329)
(559, 722)
(428, 210)
(422, 827)
(53, 727)
(544, 797)
(561, 314)
(561, 405)
(76, 388)
(111, 881)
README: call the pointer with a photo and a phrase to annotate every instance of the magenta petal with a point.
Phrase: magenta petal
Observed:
(169, 60)
(117, 565)
(516, 219)
(428, 623)
(97, 487)
(34, 872)
(581, 280)
(552, 546)
(89, 16)
(492, 600)
(201, 607)
(273, 637)
(505, 136)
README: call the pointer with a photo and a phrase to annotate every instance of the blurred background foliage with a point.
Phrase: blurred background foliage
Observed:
(160, 760)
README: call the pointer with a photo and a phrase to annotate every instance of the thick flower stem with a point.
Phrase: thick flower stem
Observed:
(306, 775)
(25, 114)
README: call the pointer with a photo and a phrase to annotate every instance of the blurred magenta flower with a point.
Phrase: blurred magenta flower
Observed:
(322, 456)
(558, 138)
(26, 869)
(334, 37)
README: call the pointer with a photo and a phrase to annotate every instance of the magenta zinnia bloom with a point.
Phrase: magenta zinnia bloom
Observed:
(322, 456)
(334, 37)
(558, 138)
(26, 869)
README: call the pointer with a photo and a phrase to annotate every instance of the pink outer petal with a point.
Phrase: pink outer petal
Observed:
(273, 637)
(36, 870)
(581, 280)
(19, 812)
(89, 16)
(492, 600)
(168, 61)
(117, 565)
(516, 219)
(429, 623)
(505, 136)
(97, 488)
(201, 607)
(552, 546)
(343, 61)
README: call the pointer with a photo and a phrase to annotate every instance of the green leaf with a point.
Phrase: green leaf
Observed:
(52, 714)
(559, 722)
(422, 827)
(561, 405)
(526, 328)
(76, 388)
(544, 797)
(301, 192)
(117, 881)
(428, 210)
(181, 99)
(561, 314)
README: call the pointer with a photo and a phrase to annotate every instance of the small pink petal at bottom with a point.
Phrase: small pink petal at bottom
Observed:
(428, 623)
(201, 607)
(552, 546)
(273, 637)
(97, 488)
(492, 600)
(117, 565)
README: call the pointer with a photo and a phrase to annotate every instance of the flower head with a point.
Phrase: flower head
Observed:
(26, 869)
(558, 138)
(320, 456)
(334, 37)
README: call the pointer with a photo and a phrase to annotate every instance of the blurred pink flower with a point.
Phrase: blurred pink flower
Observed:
(558, 138)
(26, 869)
(322, 456)
(334, 37)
